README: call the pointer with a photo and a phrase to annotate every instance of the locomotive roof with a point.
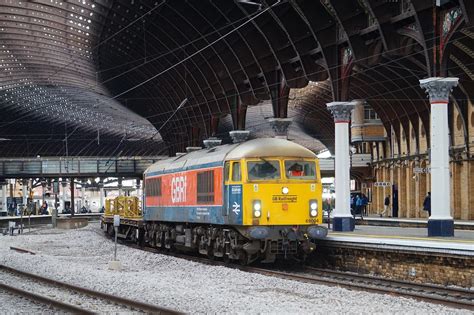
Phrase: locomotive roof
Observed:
(262, 147)
(267, 147)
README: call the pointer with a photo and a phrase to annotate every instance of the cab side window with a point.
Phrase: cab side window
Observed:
(236, 177)
(226, 171)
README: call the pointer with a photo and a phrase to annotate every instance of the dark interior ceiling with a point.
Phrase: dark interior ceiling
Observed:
(107, 77)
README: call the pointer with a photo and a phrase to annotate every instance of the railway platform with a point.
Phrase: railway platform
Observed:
(403, 253)
(406, 238)
(44, 219)
(413, 222)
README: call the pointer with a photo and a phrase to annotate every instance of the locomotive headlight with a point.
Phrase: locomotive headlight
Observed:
(313, 208)
(285, 190)
(257, 207)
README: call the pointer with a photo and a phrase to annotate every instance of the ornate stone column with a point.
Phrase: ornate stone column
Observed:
(341, 111)
(25, 183)
(120, 186)
(101, 194)
(138, 187)
(4, 196)
(63, 194)
(83, 194)
(212, 142)
(239, 136)
(73, 191)
(280, 126)
(440, 222)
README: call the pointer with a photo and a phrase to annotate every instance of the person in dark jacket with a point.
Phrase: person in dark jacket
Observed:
(359, 207)
(386, 204)
(365, 202)
(427, 204)
(44, 208)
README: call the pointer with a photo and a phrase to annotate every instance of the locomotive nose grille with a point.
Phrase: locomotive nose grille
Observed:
(282, 246)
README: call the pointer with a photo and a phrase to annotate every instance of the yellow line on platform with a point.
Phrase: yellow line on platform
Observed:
(403, 237)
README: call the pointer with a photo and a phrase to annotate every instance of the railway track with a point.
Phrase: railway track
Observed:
(449, 296)
(70, 298)
(453, 297)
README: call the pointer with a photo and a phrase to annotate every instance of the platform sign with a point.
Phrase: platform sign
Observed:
(421, 170)
(382, 184)
(116, 220)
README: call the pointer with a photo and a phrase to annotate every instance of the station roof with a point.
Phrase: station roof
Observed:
(103, 77)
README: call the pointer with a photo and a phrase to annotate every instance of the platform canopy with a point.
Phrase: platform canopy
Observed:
(130, 77)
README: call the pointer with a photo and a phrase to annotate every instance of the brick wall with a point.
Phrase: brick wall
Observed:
(423, 267)
(412, 188)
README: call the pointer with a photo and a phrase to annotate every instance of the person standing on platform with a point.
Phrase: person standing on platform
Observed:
(365, 202)
(358, 203)
(44, 208)
(386, 206)
(427, 204)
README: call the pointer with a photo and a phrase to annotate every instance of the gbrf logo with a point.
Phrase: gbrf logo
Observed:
(178, 189)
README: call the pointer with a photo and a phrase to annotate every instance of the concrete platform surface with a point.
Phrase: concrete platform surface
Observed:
(406, 237)
(412, 222)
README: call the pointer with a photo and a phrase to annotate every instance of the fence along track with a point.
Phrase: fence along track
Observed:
(108, 298)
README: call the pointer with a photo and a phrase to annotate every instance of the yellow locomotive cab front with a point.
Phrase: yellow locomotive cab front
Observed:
(281, 191)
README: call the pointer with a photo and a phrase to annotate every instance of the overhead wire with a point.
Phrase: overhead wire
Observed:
(295, 78)
(195, 53)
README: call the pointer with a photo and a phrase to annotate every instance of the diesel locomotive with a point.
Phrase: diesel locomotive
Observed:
(256, 200)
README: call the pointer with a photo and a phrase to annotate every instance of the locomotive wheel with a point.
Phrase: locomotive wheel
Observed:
(110, 230)
(243, 258)
(210, 250)
(141, 237)
(226, 258)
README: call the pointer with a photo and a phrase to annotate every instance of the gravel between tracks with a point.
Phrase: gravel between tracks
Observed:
(81, 257)
(14, 304)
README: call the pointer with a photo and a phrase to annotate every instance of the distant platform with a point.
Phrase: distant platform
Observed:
(406, 239)
(45, 219)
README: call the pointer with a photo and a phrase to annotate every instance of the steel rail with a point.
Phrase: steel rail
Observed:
(44, 300)
(456, 291)
(146, 307)
(453, 297)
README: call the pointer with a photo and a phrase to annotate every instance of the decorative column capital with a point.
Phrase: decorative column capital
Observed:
(239, 136)
(341, 111)
(280, 126)
(212, 142)
(438, 88)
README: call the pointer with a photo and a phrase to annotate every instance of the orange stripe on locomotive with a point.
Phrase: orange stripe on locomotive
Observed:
(180, 189)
